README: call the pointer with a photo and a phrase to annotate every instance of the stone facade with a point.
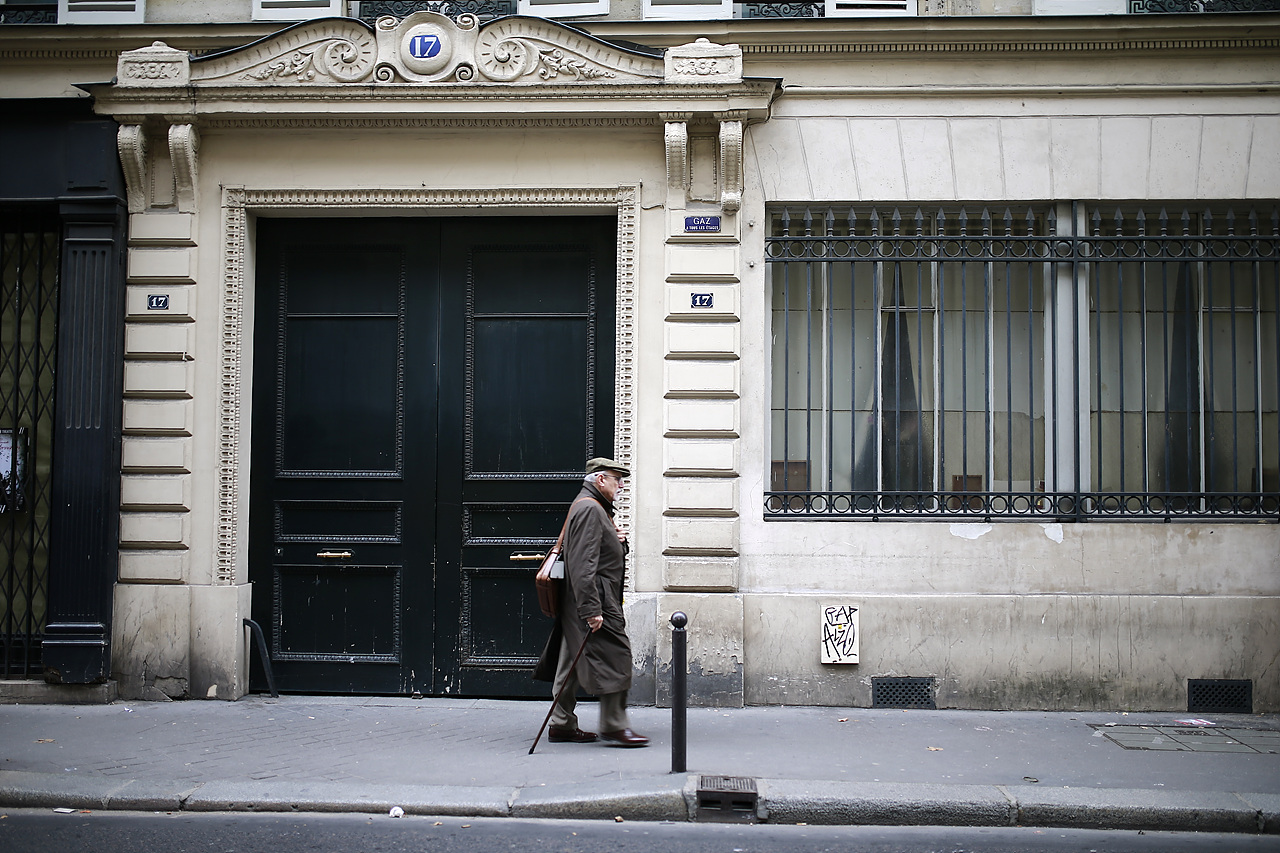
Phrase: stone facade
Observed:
(1010, 615)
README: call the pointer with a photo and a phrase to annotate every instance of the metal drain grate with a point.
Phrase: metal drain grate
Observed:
(727, 799)
(1220, 695)
(902, 693)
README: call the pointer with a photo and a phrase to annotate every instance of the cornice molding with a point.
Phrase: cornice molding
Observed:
(1034, 90)
(429, 66)
(540, 197)
(1006, 47)
(346, 122)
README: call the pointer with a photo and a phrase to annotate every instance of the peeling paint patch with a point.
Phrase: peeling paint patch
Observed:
(970, 531)
(1053, 531)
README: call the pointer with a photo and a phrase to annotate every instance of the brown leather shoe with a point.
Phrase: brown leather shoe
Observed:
(624, 737)
(558, 734)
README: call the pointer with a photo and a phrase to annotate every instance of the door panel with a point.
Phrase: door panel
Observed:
(536, 394)
(426, 392)
(344, 373)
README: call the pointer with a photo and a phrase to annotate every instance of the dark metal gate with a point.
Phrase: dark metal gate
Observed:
(28, 335)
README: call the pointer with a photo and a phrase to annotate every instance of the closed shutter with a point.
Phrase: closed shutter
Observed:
(296, 10)
(870, 8)
(562, 8)
(687, 10)
(1081, 7)
(102, 11)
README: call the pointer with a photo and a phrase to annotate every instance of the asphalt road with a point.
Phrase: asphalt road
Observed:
(30, 830)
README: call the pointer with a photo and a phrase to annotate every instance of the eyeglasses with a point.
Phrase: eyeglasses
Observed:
(614, 477)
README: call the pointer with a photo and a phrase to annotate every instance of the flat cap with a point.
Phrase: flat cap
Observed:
(602, 464)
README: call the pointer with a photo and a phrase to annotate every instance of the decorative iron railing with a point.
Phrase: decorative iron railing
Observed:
(29, 12)
(1060, 362)
(1138, 7)
(485, 10)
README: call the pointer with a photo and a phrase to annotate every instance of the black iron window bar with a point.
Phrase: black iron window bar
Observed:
(962, 364)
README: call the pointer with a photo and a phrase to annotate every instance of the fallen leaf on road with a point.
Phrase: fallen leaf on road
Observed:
(46, 740)
(843, 720)
(934, 748)
(438, 823)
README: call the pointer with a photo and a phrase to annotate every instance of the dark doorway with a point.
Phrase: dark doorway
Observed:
(425, 394)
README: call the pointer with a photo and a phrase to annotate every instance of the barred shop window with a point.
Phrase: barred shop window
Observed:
(1057, 362)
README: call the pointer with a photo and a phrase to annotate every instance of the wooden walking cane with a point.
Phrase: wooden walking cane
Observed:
(560, 692)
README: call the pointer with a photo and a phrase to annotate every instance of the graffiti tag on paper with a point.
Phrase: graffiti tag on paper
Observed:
(840, 634)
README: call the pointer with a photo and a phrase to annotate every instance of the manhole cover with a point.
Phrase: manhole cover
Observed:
(1190, 738)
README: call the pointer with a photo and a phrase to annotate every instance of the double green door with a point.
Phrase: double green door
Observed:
(425, 394)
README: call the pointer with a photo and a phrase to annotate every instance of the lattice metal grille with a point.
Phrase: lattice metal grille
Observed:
(727, 799)
(902, 693)
(1220, 696)
(28, 348)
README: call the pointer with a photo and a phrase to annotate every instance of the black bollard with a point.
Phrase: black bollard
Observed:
(679, 701)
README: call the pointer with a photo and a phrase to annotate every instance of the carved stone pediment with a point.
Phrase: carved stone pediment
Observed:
(425, 47)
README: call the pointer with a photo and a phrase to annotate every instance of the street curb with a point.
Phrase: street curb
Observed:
(673, 798)
(294, 796)
(883, 803)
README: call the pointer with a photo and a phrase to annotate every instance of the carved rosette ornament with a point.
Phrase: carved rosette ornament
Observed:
(703, 62)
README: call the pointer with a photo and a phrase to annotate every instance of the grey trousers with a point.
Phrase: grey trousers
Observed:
(613, 706)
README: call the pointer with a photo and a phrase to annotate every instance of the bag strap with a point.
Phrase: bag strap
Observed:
(565, 526)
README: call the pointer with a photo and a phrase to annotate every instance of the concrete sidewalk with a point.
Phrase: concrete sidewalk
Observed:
(810, 765)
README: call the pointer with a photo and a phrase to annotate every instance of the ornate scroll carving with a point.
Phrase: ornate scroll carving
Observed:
(131, 144)
(184, 146)
(517, 48)
(731, 164)
(333, 50)
(426, 47)
(677, 140)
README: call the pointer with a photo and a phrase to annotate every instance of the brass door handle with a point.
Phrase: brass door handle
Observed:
(334, 555)
(522, 558)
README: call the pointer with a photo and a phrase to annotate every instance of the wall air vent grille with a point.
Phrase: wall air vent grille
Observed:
(1220, 696)
(902, 693)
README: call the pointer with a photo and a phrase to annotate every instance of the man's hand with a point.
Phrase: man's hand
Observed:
(595, 623)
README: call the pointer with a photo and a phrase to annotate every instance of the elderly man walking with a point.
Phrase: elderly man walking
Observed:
(591, 601)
